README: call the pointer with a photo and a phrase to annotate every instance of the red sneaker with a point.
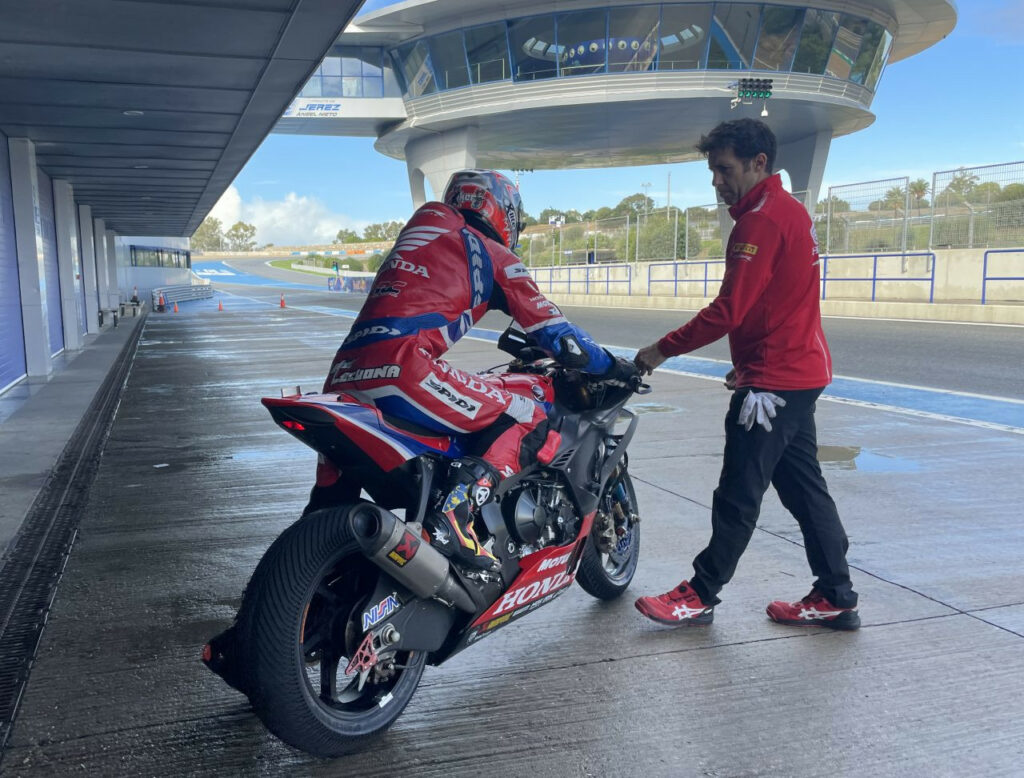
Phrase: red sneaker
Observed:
(814, 610)
(681, 606)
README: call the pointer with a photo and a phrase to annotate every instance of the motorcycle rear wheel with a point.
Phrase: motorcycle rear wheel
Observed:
(300, 620)
(607, 575)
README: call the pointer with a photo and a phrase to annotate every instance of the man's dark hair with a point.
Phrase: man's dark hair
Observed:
(745, 137)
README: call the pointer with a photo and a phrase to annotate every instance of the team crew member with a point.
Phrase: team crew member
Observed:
(768, 306)
(452, 263)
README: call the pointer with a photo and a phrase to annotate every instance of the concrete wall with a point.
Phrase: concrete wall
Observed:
(902, 287)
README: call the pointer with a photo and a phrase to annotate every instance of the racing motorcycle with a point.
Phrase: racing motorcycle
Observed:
(350, 603)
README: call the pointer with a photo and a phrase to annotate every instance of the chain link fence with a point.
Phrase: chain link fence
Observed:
(867, 217)
(978, 207)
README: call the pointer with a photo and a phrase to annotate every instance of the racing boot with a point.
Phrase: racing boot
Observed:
(470, 486)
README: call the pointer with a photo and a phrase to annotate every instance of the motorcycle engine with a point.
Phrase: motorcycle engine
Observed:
(540, 514)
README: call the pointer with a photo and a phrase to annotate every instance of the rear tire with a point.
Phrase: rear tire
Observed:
(299, 624)
(607, 575)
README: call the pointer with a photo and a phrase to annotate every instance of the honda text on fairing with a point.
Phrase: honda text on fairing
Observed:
(351, 602)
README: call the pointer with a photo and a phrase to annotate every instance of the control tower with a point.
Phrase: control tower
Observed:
(445, 85)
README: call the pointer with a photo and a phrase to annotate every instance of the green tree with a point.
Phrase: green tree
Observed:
(895, 198)
(918, 191)
(241, 236)
(634, 204)
(382, 231)
(958, 188)
(1012, 192)
(985, 193)
(209, 235)
(347, 236)
(838, 205)
(549, 213)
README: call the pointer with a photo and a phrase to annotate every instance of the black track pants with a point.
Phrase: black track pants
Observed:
(786, 458)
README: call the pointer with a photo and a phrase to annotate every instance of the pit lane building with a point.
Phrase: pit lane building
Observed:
(445, 84)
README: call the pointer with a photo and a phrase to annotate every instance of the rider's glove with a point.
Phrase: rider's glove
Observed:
(622, 373)
(758, 408)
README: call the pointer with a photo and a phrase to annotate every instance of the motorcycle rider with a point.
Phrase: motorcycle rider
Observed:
(451, 263)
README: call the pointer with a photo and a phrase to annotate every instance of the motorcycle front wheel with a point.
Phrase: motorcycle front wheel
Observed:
(300, 620)
(606, 568)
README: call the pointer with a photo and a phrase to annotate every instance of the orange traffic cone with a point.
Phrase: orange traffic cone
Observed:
(220, 305)
(175, 307)
(282, 301)
(160, 303)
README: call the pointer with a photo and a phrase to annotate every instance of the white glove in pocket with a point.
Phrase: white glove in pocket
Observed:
(758, 408)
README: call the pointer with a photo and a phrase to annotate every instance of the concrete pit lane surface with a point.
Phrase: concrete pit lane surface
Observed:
(196, 481)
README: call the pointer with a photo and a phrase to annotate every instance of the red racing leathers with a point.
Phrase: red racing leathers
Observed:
(768, 301)
(440, 278)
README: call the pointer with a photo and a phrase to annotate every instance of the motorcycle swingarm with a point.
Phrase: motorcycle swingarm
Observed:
(404, 621)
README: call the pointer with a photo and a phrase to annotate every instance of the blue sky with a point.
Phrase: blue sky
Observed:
(959, 102)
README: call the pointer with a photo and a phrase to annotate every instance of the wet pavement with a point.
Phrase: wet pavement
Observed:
(195, 483)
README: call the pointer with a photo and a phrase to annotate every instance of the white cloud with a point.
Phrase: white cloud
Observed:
(297, 220)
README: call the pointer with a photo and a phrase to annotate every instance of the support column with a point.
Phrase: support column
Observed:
(92, 322)
(29, 245)
(103, 281)
(805, 160)
(113, 285)
(436, 157)
(68, 263)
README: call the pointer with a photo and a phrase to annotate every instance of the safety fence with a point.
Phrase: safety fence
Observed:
(986, 277)
(969, 207)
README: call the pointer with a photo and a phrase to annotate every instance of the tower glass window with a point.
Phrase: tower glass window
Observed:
(668, 36)
(684, 36)
(487, 52)
(533, 49)
(733, 36)
(633, 38)
(449, 57)
(416, 68)
(582, 43)
(780, 30)
(868, 51)
(875, 71)
(815, 41)
(846, 47)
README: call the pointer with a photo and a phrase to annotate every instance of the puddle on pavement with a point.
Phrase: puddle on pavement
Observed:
(652, 408)
(259, 454)
(865, 460)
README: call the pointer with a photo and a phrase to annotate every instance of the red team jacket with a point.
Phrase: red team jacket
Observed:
(768, 302)
(440, 278)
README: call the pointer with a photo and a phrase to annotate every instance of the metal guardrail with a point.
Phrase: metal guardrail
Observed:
(985, 277)
(874, 278)
(594, 277)
(180, 293)
(676, 280)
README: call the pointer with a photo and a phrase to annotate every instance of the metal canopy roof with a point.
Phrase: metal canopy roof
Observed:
(150, 108)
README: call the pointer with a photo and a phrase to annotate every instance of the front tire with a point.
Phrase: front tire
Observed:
(300, 623)
(607, 566)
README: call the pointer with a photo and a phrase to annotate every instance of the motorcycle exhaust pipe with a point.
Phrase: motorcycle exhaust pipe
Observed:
(405, 556)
